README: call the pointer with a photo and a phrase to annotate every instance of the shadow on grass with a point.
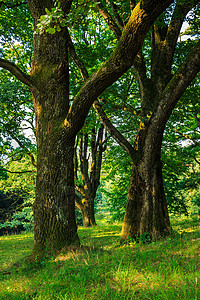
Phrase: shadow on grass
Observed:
(100, 269)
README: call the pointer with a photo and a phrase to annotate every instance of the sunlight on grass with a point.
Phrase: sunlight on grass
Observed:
(102, 269)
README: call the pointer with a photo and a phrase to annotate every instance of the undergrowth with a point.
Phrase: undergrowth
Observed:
(102, 269)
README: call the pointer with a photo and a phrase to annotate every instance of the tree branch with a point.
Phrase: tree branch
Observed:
(113, 130)
(23, 147)
(76, 60)
(100, 151)
(84, 161)
(117, 17)
(20, 172)
(180, 12)
(187, 137)
(15, 70)
(142, 17)
(198, 162)
(108, 18)
(175, 89)
(102, 115)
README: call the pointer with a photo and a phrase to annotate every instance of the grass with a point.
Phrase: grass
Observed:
(168, 269)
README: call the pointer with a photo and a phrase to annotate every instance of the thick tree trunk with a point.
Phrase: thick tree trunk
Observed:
(146, 212)
(54, 211)
(54, 207)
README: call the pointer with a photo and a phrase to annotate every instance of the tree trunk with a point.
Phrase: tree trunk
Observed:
(54, 207)
(146, 211)
(90, 175)
(88, 215)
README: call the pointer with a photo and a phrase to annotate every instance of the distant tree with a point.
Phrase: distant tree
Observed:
(89, 148)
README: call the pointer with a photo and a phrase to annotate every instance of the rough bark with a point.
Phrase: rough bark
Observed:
(86, 206)
(146, 210)
(54, 207)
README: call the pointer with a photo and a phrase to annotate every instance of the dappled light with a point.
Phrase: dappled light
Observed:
(101, 268)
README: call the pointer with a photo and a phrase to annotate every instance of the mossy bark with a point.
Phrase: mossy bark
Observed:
(54, 207)
(146, 209)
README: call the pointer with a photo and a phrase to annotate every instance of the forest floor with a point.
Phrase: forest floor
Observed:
(168, 269)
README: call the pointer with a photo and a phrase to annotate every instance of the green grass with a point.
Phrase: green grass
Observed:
(102, 270)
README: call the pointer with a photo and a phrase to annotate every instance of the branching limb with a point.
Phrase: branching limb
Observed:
(119, 62)
(15, 70)
(113, 130)
(76, 60)
(180, 12)
(186, 136)
(108, 18)
(117, 17)
(176, 87)
(104, 119)
(23, 147)
(19, 172)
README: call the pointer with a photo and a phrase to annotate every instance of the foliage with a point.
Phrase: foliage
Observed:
(116, 175)
(90, 35)
(53, 21)
(17, 196)
(14, 18)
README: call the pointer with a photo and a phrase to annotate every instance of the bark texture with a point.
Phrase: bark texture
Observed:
(54, 207)
(146, 210)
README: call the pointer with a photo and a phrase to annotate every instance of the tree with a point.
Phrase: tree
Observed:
(58, 121)
(160, 89)
(88, 185)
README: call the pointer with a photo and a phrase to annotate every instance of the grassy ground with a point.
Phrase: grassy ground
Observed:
(103, 270)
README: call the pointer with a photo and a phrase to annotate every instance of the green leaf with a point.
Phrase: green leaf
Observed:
(47, 11)
(51, 30)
